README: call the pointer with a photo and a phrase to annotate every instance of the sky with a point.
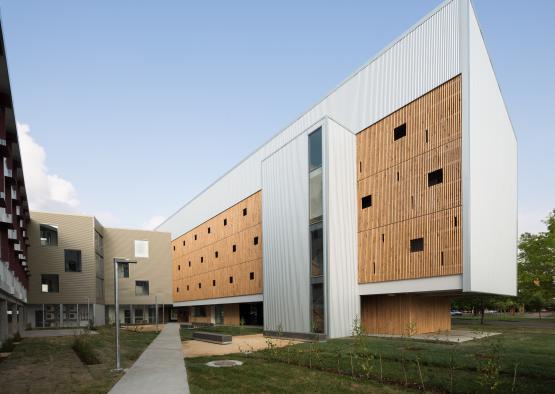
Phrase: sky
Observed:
(128, 109)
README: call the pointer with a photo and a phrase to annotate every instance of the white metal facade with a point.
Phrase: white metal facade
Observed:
(444, 44)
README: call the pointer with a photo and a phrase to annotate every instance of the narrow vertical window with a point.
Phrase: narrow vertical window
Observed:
(456, 221)
(244, 211)
(231, 279)
(426, 135)
(216, 254)
(202, 259)
(173, 247)
(251, 276)
(195, 237)
(234, 248)
(199, 285)
(442, 258)
(383, 238)
(183, 243)
(397, 176)
(255, 240)
(213, 282)
(208, 230)
(179, 268)
(374, 267)
(225, 222)
(412, 202)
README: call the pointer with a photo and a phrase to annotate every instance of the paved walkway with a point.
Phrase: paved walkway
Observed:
(160, 369)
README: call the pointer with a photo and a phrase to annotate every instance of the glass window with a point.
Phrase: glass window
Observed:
(141, 248)
(315, 149)
(316, 250)
(50, 283)
(199, 311)
(99, 266)
(141, 287)
(72, 260)
(123, 270)
(318, 308)
(316, 197)
(98, 243)
(48, 235)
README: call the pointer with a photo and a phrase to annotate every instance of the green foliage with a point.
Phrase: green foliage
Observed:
(84, 350)
(490, 369)
(536, 267)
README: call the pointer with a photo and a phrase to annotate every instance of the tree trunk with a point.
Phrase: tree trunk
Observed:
(481, 311)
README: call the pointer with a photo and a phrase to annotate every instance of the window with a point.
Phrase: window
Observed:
(442, 259)
(179, 268)
(383, 238)
(317, 249)
(456, 221)
(183, 243)
(213, 282)
(189, 263)
(399, 132)
(231, 279)
(251, 276)
(208, 230)
(317, 307)
(48, 235)
(315, 149)
(177, 290)
(397, 176)
(216, 254)
(141, 248)
(141, 287)
(255, 241)
(426, 136)
(244, 211)
(195, 237)
(435, 177)
(199, 285)
(123, 270)
(417, 245)
(202, 259)
(366, 201)
(72, 260)
(316, 205)
(199, 311)
(225, 222)
(187, 287)
(234, 248)
(49, 283)
(173, 247)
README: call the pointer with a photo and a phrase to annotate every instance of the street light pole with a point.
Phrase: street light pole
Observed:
(156, 310)
(116, 305)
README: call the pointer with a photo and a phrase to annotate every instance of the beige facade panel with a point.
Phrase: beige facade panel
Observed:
(222, 257)
(75, 232)
(156, 268)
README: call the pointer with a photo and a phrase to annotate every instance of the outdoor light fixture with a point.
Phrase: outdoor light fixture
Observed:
(118, 260)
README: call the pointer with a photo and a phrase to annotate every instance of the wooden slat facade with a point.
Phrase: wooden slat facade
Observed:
(404, 206)
(206, 256)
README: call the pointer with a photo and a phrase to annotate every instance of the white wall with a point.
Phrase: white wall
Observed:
(489, 178)
(286, 238)
(341, 225)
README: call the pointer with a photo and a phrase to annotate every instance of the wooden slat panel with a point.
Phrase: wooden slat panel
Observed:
(205, 267)
(404, 207)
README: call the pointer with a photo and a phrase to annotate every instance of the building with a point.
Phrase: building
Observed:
(71, 257)
(392, 195)
(14, 214)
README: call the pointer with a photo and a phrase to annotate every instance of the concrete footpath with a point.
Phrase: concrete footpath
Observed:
(160, 369)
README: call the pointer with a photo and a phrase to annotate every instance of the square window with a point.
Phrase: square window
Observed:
(48, 235)
(251, 275)
(72, 260)
(399, 132)
(231, 279)
(366, 201)
(435, 177)
(417, 245)
(234, 248)
(123, 270)
(50, 283)
(141, 287)
(225, 222)
(244, 211)
(255, 241)
(141, 248)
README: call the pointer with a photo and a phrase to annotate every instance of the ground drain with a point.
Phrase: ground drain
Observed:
(224, 363)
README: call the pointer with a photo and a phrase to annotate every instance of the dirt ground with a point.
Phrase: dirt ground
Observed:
(143, 327)
(238, 344)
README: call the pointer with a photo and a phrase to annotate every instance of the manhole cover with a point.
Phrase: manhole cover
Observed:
(224, 363)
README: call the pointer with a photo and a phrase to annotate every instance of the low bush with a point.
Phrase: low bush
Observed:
(84, 350)
(17, 337)
(7, 346)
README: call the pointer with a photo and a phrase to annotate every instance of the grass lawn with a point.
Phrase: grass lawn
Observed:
(187, 333)
(475, 365)
(49, 365)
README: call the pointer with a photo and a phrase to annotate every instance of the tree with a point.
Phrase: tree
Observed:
(536, 267)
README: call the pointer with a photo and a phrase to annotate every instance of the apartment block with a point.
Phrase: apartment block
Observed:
(14, 214)
(392, 195)
(73, 282)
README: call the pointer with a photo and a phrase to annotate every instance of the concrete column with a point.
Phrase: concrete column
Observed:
(3, 320)
(132, 314)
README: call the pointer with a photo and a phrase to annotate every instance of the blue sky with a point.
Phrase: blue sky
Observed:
(130, 108)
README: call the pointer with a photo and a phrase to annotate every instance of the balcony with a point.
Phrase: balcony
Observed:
(14, 193)
(7, 170)
(6, 219)
(21, 256)
(17, 247)
(12, 234)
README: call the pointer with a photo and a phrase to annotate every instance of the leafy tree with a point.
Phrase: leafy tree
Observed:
(536, 267)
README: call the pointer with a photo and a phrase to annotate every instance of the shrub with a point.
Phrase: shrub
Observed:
(7, 346)
(17, 337)
(84, 350)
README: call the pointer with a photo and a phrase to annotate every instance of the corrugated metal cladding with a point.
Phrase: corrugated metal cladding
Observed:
(341, 224)
(425, 57)
(489, 150)
(285, 240)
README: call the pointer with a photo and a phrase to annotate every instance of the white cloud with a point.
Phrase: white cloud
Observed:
(46, 191)
(153, 222)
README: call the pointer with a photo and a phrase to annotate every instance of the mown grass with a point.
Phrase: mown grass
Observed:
(50, 365)
(187, 333)
(399, 363)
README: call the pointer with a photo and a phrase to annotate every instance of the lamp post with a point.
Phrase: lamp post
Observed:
(118, 260)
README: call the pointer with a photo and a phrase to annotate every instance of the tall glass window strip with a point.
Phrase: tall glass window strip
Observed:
(316, 229)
